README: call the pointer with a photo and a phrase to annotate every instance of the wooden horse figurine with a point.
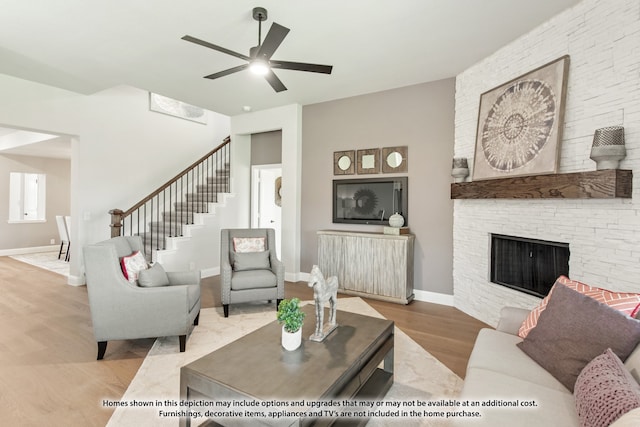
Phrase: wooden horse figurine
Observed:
(323, 291)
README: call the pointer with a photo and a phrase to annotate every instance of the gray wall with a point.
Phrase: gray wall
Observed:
(420, 117)
(58, 172)
(266, 148)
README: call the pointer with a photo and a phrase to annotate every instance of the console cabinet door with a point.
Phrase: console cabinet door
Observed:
(369, 264)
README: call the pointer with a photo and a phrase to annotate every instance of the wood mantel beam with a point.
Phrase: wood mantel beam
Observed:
(600, 184)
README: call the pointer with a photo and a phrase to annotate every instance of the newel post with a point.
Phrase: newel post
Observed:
(116, 222)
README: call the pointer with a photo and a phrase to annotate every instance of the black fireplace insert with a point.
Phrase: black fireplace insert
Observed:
(528, 265)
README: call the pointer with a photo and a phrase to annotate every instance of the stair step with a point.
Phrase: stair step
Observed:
(201, 197)
(166, 228)
(178, 216)
(220, 187)
(195, 207)
(218, 179)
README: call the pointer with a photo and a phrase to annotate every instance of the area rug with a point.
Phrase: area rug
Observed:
(418, 376)
(46, 260)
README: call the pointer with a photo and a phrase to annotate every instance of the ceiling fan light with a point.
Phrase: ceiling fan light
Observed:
(259, 67)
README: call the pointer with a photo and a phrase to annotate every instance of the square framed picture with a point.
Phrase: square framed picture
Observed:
(368, 161)
(520, 124)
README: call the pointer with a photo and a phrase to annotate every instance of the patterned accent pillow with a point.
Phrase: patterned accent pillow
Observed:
(605, 391)
(626, 302)
(132, 264)
(248, 244)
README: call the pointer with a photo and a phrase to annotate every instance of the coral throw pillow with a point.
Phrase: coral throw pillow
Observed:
(248, 244)
(132, 265)
(626, 302)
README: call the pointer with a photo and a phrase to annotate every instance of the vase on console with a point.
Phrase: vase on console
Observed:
(396, 220)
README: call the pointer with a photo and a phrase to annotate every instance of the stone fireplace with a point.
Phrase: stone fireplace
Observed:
(603, 90)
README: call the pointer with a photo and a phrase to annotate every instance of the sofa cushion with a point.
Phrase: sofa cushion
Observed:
(249, 244)
(497, 352)
(605, 391)
(153, 277)
(132, 264)
(554, 407)
(628, 303)
(630, 419)
(575, 328)
(251, 261)
(252, 279)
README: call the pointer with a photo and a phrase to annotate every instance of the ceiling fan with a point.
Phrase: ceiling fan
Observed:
(259, 60)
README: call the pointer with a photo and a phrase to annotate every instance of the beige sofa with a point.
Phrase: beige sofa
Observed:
(498, 372)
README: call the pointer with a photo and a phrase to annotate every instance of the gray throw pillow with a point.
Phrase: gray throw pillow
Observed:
(573, 330)
(251, 261)
(153, 277)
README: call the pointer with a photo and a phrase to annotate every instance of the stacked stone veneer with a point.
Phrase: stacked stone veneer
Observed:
(602, 38)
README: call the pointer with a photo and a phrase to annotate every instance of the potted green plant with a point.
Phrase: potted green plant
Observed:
(291, 318)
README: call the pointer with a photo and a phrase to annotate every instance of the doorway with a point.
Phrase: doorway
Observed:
(266, 199)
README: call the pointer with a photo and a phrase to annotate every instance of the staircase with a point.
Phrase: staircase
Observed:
(177, 204)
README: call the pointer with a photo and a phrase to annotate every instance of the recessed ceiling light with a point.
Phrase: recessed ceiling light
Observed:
(246, 108)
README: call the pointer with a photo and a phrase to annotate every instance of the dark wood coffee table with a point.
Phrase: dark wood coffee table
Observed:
(256, 368)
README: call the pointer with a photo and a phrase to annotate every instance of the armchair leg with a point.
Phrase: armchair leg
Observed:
(183, 343)
(102, 348)
(225, 307)
(196, 320)
(278, 301)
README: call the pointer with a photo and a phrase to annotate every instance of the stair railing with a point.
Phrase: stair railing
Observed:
(164, 211)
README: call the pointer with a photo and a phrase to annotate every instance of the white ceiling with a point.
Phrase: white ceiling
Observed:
(88, 45)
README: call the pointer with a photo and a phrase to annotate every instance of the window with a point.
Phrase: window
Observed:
(27, 197)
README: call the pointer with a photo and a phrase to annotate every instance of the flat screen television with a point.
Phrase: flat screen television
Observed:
(370, 201)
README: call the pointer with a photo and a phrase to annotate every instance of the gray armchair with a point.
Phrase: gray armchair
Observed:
(250, 276)
(121, 310)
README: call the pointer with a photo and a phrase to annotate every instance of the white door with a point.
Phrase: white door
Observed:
(266, 210)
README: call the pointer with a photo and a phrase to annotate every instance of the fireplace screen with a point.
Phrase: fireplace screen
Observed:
(528, 265)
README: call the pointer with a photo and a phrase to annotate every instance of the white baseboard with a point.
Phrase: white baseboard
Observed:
(433, 297)
(209, 272)
(75, 280)
(21, 251)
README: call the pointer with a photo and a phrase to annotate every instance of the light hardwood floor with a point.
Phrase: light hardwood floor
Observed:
(49, 375)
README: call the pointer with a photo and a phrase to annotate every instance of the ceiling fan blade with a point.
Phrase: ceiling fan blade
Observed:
(215, 47)
(275, 82)
(274, 37)
(301, 66)
(227, 72)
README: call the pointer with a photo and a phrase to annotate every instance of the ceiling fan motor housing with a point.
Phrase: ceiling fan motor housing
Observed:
(259, 13)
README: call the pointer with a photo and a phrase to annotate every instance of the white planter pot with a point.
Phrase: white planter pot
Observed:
(291, 341)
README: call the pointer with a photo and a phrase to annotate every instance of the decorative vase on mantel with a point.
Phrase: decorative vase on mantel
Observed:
(459, 169)
(396, 220)
(608, 147)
